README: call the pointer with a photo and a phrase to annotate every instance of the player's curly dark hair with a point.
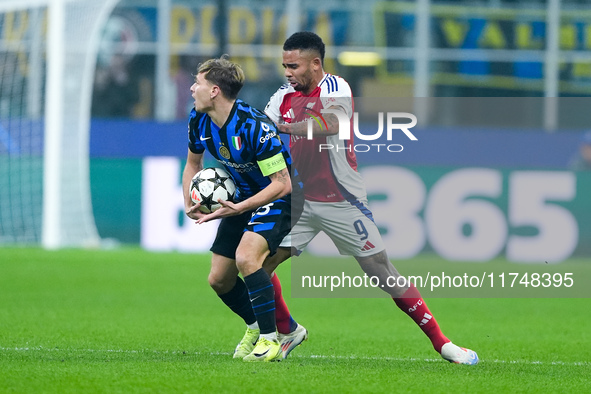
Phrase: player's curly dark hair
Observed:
(225, 74)
(305, 40)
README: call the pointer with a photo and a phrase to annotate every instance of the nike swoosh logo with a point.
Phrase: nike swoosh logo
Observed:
(253, 223)
(204, 139)
(262, 354)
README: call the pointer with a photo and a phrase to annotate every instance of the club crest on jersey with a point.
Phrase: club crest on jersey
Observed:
(237, 142)
(224, 152)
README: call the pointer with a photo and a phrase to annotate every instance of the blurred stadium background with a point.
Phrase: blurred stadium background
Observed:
(93, 117)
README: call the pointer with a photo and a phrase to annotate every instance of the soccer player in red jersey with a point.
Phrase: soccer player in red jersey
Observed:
(335, 196)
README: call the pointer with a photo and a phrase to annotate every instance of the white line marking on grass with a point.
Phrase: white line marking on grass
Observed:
(318, 356)
(431, 360)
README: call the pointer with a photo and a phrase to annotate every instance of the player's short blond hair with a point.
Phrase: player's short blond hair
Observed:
(223, 73)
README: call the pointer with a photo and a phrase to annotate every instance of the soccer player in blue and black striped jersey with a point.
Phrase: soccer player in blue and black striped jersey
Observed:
(268, 200)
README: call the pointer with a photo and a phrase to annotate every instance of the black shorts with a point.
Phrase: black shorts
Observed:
(272, 221)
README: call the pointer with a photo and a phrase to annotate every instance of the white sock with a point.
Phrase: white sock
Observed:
(254, 326)
(272, 336)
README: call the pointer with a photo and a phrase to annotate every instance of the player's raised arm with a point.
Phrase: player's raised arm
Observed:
(194, 165)
(301, 128)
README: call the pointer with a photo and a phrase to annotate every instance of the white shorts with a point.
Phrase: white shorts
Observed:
(350, 227)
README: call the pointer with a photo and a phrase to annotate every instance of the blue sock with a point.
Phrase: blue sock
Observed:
(292, 324)
(262, 298)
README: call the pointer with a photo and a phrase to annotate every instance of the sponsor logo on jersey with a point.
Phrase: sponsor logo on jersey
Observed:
(267, 137)
(240, 168)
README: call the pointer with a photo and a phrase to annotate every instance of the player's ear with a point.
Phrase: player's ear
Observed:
(215, 90)
(317, 63)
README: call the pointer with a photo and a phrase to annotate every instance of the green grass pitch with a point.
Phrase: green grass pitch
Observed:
(132, 321)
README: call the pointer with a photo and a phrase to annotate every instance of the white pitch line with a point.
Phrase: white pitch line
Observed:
(319, 356)
(496, 361)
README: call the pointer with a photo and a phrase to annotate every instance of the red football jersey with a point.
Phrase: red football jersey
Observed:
(328, 175)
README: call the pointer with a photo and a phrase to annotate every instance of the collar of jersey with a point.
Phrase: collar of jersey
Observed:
(326, 75)
(230, 116)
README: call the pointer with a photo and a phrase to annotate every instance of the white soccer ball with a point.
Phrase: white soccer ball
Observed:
(210, 185)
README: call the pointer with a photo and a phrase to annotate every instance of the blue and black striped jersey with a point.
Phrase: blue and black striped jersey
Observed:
(247, 138)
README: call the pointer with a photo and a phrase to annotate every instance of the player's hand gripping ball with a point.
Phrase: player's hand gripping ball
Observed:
(209, 185)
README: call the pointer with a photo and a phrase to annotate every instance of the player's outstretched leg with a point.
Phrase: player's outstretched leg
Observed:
(409, 300)
(415, 307)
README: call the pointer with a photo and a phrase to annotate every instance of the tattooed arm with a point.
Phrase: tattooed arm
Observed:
(301, 128)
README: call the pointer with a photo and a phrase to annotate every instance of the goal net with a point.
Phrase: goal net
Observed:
(48, 54)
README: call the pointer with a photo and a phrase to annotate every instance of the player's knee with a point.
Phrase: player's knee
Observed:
(219, 284)
(248, 264)
(242, 262)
